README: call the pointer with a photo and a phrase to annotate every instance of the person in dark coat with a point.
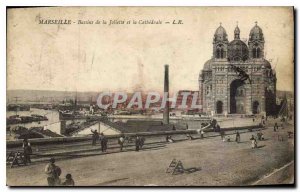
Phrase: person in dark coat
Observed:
(103, 141)
(137, 143)
(142, 142)
(27, 150)
(237, 137)
(275, 127)
(95, 136)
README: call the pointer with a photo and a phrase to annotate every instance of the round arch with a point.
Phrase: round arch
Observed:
(255, 107)
(219, 107)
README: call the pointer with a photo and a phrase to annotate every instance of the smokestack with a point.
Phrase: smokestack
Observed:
(166, 90)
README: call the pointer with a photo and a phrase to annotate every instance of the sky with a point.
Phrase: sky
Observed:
(130, 57)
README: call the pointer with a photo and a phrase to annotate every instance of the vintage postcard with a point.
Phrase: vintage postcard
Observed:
(150, 96)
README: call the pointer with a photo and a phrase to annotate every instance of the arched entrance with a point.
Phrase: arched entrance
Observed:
(219, 107)
(237, 96)
(255, 109)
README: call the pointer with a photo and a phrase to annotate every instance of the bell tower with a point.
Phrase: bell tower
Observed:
(256, 42)
(220, 43)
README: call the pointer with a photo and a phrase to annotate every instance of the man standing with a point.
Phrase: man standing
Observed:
(53, 172)
(27, 150)
(237, 137)
(94, 137)
(275, 127)
(142, 142)
(103, 141)
(121, 142)
(137, 143)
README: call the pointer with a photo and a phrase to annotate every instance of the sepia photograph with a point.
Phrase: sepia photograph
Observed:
(150, 96)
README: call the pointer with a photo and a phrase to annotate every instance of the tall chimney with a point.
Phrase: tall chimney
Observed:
(166, 91)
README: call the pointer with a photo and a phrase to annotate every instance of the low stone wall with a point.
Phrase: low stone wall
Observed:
(57, 140)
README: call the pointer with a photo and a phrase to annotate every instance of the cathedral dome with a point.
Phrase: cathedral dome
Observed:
(256, 33)
(207, 65)
(220, 34)
(237, 51)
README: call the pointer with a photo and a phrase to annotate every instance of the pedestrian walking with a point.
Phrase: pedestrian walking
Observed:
(53, 172)
(69, 180)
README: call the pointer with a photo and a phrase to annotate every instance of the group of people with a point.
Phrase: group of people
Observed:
(260, 137)
(139, 142)
(53, 173)
(102, 138)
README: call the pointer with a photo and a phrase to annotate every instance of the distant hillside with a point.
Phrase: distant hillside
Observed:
(58, 96)
(48, 96)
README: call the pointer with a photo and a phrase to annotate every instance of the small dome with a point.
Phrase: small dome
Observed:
(256, 33)
(237, 51)
(207, 65)
(220, 34)
(267, 64)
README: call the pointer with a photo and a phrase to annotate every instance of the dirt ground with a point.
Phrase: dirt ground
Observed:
(207, 162)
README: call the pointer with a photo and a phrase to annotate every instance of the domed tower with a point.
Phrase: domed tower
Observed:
(220, 43)
(256, 42)
(237, 49)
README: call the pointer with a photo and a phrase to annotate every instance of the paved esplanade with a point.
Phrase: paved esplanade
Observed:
(217, 163)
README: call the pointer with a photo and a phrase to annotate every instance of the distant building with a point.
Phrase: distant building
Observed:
(222, 91)
(189, 99)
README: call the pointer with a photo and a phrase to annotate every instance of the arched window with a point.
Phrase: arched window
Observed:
(218, 53)
(222, 53)
(256, 52)
(219, 107)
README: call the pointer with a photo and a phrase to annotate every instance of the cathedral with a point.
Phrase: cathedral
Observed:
(238, 79)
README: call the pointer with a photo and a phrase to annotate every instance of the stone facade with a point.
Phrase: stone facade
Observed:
(221, 90)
